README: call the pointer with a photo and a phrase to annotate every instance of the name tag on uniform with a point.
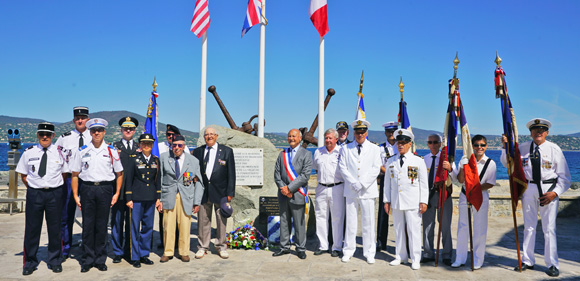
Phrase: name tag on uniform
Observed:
(33, 159)
(141, 166)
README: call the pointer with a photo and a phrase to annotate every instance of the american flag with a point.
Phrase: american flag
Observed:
(200, 21)
(253, 15)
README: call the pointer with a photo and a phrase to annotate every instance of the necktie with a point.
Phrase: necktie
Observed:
(536, 171)
(206, 158)
(290, 152)
(81, 140)
(359, 147)
(402, 156)
(432, 172)
(42, 169)
(177, 170)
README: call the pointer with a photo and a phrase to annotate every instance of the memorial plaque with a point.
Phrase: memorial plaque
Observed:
(268, 207)
(249, 166)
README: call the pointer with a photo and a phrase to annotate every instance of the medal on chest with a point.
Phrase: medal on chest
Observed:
(86, 165)
(412, 173)
(33, 169)
(187, 179)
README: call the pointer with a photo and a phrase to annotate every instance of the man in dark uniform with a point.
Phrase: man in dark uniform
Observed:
(120, 214)
(388, 150)
(42, 169)
(342, 129)
(142, 192)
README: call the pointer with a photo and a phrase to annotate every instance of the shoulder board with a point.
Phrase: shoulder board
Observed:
(82, 147)
(383, 144)
(66, 134)
(30, 147)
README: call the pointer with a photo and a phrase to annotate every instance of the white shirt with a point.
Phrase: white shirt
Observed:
(392, 148)
(326, 165)
(94, 164)
(490, 172)
(211, 160)
(131, 143)
(71, 142)
(428, 161)
(181, 160)
(29, 165)
(360, 171)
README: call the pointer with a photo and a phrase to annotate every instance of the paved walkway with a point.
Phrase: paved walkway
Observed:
(260, 265)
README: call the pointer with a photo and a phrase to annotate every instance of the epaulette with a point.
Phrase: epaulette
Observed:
(112, 146)
(82, 147)
(374, 143)
(66, 134)
(30, 147)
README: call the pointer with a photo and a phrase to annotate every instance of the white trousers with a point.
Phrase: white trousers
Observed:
(329, 200)
(413, 219)
(479, 224)
(548, 213)
(367, 216)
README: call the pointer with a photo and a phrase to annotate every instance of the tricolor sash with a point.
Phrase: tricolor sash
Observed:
(292, 175)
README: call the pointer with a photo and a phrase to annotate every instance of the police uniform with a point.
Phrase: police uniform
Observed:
(406, 188)
(96, 168)
(554, 176)
(69, 143)
(143, 187)
(360, 171)
(387, 151)
(43, 169)
(120, 213)
(329, 198)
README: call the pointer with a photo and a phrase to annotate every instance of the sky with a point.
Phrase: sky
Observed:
(105, 54)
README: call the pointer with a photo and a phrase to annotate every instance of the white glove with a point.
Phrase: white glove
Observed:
(463, 161)
(357, 187)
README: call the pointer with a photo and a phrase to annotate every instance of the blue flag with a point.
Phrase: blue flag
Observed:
(151, 121)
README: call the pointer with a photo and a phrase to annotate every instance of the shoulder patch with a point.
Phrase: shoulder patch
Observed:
(30, 147)
(82, 147)
(66, 134)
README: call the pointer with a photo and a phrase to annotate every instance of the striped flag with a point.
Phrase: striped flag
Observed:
(151, 121)
(360, 108)
(318, 16)
(253, 15)
(472, 184)
(404, 122)
(200, 21)
(449, 140)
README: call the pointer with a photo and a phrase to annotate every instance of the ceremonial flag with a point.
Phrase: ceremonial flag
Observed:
(253, 15)
(360, 108)
(449, 140)
(318, 16)
(518, 183)
(200, 21)
(151, 121)
(472, 184)
(403, 119)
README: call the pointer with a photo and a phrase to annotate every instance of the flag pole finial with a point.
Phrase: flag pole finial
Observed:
(497, 59)
(401, 86)
(455, 67)
(154, 83)
(361, 83)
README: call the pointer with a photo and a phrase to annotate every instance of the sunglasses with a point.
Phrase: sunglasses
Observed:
(433, 142)
(479, 145)
(180, 145)
(44, 134)
(99, 130)
(129, 129)
(170, 134)
(403, 142)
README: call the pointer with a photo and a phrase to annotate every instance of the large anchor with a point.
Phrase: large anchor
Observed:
(308, 136)
(246, 126)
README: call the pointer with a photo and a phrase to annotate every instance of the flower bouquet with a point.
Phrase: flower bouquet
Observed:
(246, 237)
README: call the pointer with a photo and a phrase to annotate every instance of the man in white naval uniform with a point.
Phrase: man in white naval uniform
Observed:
(329, 194)
(486, 170)
(548, 177)
(406, 194)
(360, 164)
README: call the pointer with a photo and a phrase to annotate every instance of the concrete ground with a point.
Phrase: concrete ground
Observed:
(500, 259)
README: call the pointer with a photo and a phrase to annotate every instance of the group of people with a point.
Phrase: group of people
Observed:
(347, 175)
(125, 183)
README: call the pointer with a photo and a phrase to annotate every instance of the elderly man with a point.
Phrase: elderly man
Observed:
(486, 169)
(329, 194)
(388, 150)
(219, 178)
(342, 129)
(99, 167)
(181, 192)
(548, 177)
(432, 162)
(406, 194)
(42, 169)
(291, 174)
(360, 164)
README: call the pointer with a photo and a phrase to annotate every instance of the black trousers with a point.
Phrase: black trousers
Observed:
(95, 206)
(383, 218)
(39, 203)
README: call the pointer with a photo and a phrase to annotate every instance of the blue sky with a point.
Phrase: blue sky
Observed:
(104, 54)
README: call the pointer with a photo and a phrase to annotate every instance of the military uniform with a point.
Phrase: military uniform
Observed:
(43, 169)
(387, 151)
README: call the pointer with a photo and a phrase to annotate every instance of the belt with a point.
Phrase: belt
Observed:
(96, 183)
(553, 181)
(331, 184)
(45, 188)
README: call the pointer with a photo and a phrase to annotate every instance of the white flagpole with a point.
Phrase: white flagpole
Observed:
(261, 79)
(321, 93)
(203, 83)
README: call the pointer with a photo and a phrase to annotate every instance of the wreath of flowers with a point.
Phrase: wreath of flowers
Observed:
(246, 237)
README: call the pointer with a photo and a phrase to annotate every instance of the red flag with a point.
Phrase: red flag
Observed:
(318, 16)
(472, 184)
(201, 20)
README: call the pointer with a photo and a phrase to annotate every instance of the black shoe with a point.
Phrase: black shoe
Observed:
(101, 267)
(136, 264)
(302, 255)
(280, 253)
(56, 268)
(320, 252)
(524, 267)
(146, 260)
(117, 259)
(160, 246)
(85, 268)
(553, 271)
(447, 262)
(426, 260)
(65, 257)
(335, 254)
(28, 271)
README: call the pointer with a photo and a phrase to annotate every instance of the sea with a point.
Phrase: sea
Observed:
(572, 157)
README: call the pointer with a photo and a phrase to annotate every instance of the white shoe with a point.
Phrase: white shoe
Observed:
(457, 264)
(200, 254)
(476, 267)
(395, 262)
(223, 254)
(415, 265)
(345, 258)
(370, 260)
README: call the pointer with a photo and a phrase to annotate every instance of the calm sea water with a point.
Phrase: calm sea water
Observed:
(573, 158)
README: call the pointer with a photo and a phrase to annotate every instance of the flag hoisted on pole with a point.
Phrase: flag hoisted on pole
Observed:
(403, 118)
(253, 15)
(360, 105)
(319, 18)
(199, 26)
(151, 121)
(517, 178)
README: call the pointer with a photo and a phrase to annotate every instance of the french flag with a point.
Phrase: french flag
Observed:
(317, 13)
(472, 184)
(253, 15)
